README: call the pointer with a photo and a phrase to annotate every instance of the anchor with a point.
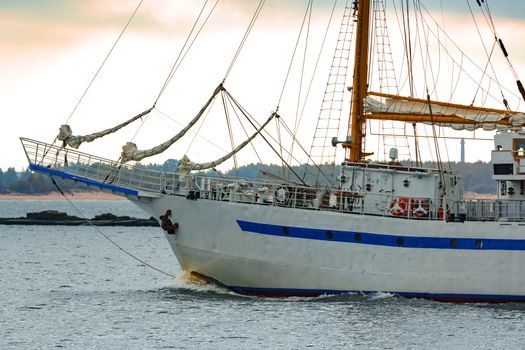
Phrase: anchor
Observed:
(166, 223)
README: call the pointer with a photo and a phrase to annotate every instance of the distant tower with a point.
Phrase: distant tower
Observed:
(462, 151)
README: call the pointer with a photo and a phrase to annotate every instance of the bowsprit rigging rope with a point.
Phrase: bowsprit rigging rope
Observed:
(183, 52)
(105, 59)
(303, 64)
(99, 231)
(101, 66)
(245, 37)
(293, 54)
(180, 58)
(251, 120)
(254, 124)
(314, 72)
(308, 9)
(230, 131)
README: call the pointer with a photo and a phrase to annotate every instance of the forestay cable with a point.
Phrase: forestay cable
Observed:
(245, 37)
(187, 166)
(293, 55)
(105, 59)
(107, 237)
(184, 50)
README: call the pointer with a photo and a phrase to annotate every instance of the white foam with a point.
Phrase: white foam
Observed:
(185, 280)
(381, 295)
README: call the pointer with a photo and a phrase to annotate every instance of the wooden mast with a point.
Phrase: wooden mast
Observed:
(360, 84)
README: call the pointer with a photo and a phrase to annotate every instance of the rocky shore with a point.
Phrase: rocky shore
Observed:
(53, 217)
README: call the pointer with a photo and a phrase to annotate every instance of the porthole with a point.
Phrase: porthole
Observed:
(453, 243)
(479, 244)
(285, 230)
(357, 237)
(399, 240)
(329, 234)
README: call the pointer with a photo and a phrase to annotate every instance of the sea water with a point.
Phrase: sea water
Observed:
(68, 287)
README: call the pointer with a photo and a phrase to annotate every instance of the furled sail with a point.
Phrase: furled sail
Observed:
(66, 134)
(456, 116)
(186, 165)
(131, 152)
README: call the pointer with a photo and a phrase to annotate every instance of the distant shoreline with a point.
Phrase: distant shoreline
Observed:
(95, 196)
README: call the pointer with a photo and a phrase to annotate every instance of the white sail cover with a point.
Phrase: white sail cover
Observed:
(483, 117)
(131, 152)
(186, 165)
(65, 134)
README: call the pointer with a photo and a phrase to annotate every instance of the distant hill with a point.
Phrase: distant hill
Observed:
(477, 176)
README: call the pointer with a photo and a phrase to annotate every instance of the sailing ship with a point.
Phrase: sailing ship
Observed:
(378, 226)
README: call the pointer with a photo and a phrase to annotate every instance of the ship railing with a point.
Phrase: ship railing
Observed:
(75, 164)
(333, 199)
(253, 191)
(321, 198)
(494, 210)
(510, 210)
(265, 192)
(480, 210)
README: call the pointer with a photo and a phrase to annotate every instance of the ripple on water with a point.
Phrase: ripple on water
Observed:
(64, 287)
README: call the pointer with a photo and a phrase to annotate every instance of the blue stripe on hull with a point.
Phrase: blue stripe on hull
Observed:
(468, 298)
(383, 239)
(67, 176)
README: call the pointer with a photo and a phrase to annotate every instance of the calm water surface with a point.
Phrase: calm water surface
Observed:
(67, 287)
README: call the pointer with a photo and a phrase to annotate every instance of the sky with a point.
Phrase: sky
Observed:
(51, 49)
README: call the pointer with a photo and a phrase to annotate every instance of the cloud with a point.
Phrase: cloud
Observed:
(49, 50)
(29, 27)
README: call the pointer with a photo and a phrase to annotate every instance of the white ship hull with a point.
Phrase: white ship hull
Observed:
(271, 250)
(246, 237)
(380, 226)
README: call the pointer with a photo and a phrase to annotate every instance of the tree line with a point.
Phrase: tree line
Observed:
(477, 177)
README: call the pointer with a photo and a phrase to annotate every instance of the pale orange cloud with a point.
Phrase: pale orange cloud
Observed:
(46, 63)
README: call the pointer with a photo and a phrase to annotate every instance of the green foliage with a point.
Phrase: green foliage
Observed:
(476, 176)
(32, 184)
(9, 177)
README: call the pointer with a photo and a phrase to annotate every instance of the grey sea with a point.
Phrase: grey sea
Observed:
(68, 287)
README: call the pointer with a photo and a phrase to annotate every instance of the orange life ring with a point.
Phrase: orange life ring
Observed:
(399, 206)
(419, 209)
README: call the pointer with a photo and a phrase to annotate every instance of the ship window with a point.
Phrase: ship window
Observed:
(357, 237)
(503, 169)
(453, 243)
(399, 240)
(285, 230)
(479, 244)
(519, 148)
(329, 234)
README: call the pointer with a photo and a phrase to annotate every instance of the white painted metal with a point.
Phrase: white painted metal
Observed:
(211, 243)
